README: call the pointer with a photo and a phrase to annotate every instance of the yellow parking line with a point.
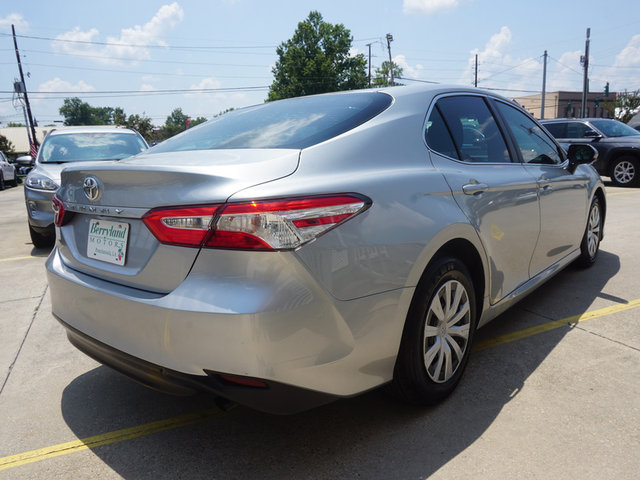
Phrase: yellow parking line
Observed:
(13, 259)
(545, 327)
(107, 438)
(197, 417)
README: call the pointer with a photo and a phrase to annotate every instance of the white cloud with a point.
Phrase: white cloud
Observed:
(408, 71)
(429, 6)
(132, 43)
(59, 85)
(13, 19)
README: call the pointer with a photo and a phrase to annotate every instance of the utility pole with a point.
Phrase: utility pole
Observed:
(369, 45)
(544, 85)
(389, 40)
(585, 85)
(475, 81)
(30, 123)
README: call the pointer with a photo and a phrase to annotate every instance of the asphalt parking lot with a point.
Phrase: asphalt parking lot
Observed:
(552, 391)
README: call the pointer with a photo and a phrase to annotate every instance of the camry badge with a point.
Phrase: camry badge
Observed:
(91, 188)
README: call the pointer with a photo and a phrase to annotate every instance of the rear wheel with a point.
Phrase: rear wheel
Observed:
(438, 334)
(1, 181)
(42, 240)
(625, 171)
(14, 182)
(590, 245)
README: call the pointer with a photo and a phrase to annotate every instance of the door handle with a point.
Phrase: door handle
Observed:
(474, 188)
(544, 183)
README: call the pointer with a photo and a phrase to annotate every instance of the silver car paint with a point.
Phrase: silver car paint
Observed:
(330, 315)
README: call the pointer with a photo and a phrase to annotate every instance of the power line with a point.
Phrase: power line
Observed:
(117, 44)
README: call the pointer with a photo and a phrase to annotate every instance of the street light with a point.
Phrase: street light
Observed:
(389, 40)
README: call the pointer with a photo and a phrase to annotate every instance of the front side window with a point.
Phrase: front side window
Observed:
(578, 130)
(534, 144)
(472, 127)
(81, 147)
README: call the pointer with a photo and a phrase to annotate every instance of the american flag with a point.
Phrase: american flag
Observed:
(33, 150)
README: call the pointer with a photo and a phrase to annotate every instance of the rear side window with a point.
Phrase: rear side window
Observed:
(471, 125)
(558, 130)
(292, 123)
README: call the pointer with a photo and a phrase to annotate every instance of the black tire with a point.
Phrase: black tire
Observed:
(1, 181)
(590, 245)
(420, 377)
(625, 171)
(42, 240)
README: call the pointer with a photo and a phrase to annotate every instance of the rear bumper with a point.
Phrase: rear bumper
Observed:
(272, 398)
(276, 325)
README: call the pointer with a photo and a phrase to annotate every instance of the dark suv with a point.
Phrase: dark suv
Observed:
(618, 145)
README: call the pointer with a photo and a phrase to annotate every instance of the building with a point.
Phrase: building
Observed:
(18, 137)
(567, 104)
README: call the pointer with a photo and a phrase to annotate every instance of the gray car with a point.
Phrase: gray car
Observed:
(8, 174)
(59, 149)
(299, 251)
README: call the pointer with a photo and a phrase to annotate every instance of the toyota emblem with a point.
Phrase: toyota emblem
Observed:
(91, 188)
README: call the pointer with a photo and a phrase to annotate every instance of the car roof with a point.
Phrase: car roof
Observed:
(589, 119)
(92, 129)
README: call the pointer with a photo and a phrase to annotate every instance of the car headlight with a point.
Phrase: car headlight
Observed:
(41, 182)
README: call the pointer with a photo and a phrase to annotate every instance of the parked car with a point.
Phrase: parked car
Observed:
(618, 145)
(7, 172)
(299, 251)
(62, 148)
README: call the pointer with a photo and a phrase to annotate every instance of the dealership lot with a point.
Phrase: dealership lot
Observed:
(551, 391)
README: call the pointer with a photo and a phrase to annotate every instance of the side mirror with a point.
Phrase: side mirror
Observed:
(593, 135)
(580, 154)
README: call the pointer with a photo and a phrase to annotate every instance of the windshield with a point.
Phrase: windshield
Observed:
(82, 147)
(292, 123)
(613, 128)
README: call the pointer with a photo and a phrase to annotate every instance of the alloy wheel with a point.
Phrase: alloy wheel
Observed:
(624, 172)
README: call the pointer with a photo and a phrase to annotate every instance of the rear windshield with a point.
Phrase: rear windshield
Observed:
(81, 147)
(292, 123)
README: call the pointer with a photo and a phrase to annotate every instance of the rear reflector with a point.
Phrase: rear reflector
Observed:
(259, 225)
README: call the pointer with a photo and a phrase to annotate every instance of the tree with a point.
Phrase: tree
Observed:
(625, 106)
(141, 124)
(175, 123)
(77, 112)
(6, 146)
(382, 76)
(317, 60)
(197, 121)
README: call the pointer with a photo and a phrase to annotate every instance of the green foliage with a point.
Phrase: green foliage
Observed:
(77, 112)
(382, 76)
(316, 60)
(142, 125)
(197, 121)
(6, 146)
(175, 123)
(15, 124)
(625, 106)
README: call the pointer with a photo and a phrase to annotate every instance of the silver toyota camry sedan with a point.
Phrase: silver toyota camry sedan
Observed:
(288, 254)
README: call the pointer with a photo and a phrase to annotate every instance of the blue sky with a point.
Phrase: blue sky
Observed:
(136, 51)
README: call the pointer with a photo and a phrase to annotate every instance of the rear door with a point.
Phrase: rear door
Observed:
(496, 194)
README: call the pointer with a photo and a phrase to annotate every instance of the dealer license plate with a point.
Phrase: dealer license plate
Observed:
(108, 241)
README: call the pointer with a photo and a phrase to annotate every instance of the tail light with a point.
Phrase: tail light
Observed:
(259, 225)
(59, 211)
